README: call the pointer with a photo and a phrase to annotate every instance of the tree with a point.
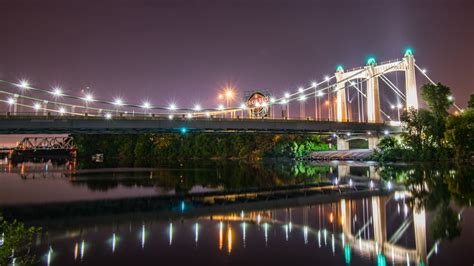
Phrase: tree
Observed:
(460, 134)
(17, 241)
(470, 104)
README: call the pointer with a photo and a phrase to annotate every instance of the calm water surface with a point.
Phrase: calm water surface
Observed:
(235, 213)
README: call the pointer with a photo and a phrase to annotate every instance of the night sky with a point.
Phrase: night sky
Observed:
(186, 51)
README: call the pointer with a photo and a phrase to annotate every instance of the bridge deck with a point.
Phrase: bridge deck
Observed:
(74, 124)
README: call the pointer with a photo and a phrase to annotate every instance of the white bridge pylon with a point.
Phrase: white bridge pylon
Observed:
(371, 73)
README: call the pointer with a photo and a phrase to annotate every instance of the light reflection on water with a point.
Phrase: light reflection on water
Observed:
(384, 228)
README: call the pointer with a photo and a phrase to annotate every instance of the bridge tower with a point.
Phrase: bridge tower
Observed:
(341, 108)
(373, 95)
(410, 81)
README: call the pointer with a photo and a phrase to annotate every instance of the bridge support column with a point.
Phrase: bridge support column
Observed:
(373, 173)
(410, 82)
(343, 170)
(373, 97)
(373, 141)
(342, 144)
(341, 108)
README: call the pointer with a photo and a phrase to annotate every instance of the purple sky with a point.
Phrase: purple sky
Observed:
(187, 50)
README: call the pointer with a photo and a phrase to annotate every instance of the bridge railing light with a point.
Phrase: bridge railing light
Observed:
(146, 105)
(197, 107)
(24, 84)
(88, 98)
(243, 106)
(118, 102)
(172, 106)
(220, 107)
(37, 106)
(57, 92)
(61, 110)
(314, 84)
(11, 101)
(302, 98)
(287, 95)
(300, 90)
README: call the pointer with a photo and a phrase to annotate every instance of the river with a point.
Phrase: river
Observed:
(236, 213)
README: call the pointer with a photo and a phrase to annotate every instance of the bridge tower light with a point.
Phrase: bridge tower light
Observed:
(340, 68)
(371, 61)
(408, 52)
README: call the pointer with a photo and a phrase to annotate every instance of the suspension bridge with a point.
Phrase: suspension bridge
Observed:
(33, 110)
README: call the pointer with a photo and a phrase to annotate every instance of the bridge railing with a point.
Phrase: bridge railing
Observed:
(156, 116)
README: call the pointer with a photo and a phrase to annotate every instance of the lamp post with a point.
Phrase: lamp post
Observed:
(287, 101)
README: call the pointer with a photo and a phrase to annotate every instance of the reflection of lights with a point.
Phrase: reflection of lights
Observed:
(325, 234)
(319, 238)
(286, 232)
(114, 241)
(305, 234)
(143, 236)
(398, 208)
(331, 217)
(350, 182)
(371, 184)
(244, 233)
(83, 247)
(389, 185)
(229, 239)
(76, 250)
(265, 227)
(182, 206)
(259, 218)
(171, 234)
(221, 235)
(48, 257)
(333, 244)
(196, 233)
(405, 209)
(290, 226)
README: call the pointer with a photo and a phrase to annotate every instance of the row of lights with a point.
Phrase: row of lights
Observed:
(57, 92)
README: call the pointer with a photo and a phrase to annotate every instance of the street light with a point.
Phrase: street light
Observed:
(287, 102)
(36, 106)
(302, 100)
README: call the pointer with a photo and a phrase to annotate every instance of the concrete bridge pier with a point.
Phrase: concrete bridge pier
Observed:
(343, 143)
